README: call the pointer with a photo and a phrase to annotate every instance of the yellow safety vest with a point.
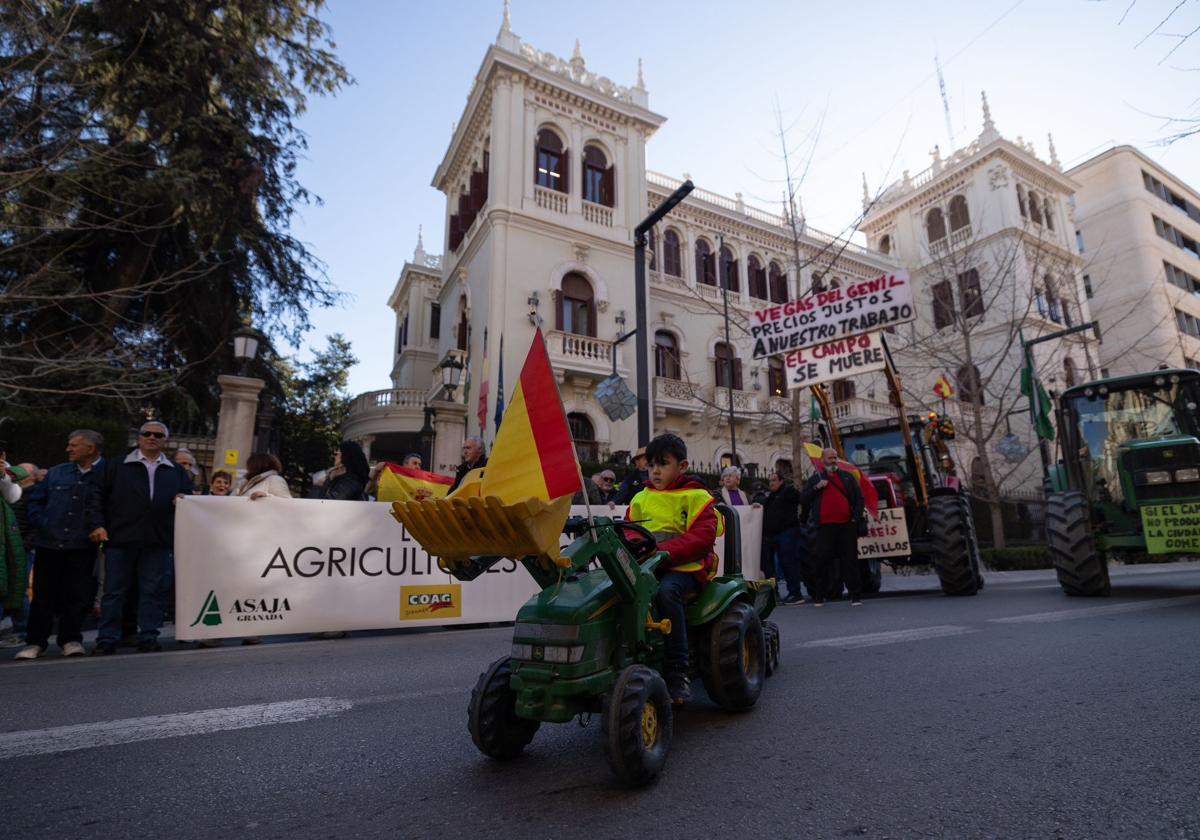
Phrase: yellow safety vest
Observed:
(669, 513)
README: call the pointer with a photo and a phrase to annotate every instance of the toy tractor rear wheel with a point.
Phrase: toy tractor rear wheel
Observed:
(492, 715)
(734, 662)
(1081, 569)
(952, 549)
(637, 725)
(771, 639)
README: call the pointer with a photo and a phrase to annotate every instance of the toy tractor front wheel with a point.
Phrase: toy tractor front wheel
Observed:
(771, 637)
(1081, 569)
(637, 725)
(735, 658)
(492, 715)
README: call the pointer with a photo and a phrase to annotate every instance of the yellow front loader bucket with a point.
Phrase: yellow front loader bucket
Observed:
(466, 524)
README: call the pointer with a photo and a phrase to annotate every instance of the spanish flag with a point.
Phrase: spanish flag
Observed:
(870, 495)
(943, 388)
(402, 484)
(533, 455)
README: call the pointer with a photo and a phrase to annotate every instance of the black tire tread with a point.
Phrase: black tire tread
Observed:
(621, 725)
(492, 718)
(771, 642)
(952, 552)
(1081, 569)
(724, 678)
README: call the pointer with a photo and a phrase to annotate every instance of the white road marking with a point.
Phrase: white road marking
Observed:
(129, 730)
(1091, 612)
(892, 637)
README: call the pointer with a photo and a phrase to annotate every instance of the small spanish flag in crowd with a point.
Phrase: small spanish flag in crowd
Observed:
(943, 388)
(533, 455)
(870, 495)
(402, 484)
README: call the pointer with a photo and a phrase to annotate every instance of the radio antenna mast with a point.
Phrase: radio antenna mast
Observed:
(945, 101)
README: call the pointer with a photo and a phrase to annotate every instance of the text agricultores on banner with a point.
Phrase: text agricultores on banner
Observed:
(860, 307)
(835, 360)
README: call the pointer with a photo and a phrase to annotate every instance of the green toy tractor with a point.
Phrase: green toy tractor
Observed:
(1128, 481)
(592, 643)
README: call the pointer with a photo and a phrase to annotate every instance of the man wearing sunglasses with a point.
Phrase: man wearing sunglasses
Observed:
(131, 511)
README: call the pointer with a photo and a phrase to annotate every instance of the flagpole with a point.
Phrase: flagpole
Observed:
(578, 469)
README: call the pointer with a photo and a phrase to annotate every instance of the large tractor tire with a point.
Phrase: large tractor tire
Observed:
(637, 725)
(492, 715)
(771, 637)
(870, 573)
(735, 658)
(953, 553)
(1082, 570)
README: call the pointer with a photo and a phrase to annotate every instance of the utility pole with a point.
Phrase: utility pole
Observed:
(729, 347)
(639, 292)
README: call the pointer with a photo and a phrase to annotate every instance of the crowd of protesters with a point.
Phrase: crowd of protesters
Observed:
(100, 530)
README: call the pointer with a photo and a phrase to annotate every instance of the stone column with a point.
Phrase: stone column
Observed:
(449, 428)
(235, 423)
(365, 442)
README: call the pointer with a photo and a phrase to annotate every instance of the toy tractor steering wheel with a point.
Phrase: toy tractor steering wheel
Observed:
(640, 541)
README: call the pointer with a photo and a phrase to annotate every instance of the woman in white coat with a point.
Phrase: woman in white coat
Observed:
(263, 478)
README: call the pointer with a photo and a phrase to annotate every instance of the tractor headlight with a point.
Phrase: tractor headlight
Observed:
(557, 654)
(1190, 474)
(522, 651)
(1156, 477)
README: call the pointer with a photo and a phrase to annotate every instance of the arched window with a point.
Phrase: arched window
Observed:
(598, 183)
(651, 246)
(1053, 306)
(729, 270)
(1048, 209)
(885, 244)
(666, 355)
(843, 389)
(1069, 371)
(583, 434)
(728, 367)
(960, 217)
(758, 278)
(550, 159)
(778, 283)
(783, 468)
(464, 326)
(1035, 207)
(970, 389)
(776, 377)
(935, 225)
(818, 281)
(672, 260)
(1021, 202)
(706, 264)
(577, 306)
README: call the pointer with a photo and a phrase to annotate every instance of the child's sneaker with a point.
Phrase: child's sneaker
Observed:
(679, 687)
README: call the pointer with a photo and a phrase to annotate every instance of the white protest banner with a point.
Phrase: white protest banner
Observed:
(888, 536)
(275, 566)
(835, 360)
(856, 308)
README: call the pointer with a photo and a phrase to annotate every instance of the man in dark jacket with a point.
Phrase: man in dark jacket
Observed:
(65, 556)
(474, 457)
(837, 507)
(781, 535)
(131, 510)
(634, 480)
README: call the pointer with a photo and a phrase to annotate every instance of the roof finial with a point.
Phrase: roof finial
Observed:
(419, 254)
(578, 54)
(1053, 152)
(866, 193)
(506, 25)
(641, 81)
(989, 128)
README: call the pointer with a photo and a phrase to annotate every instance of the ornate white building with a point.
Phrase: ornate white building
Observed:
(545, 179)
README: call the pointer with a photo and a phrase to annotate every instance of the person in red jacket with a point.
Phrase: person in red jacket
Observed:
(678, 509)
(837, 507)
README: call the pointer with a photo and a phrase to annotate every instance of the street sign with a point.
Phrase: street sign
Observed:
(860, 307)
(835, 360)
(231, 457)
(616, 398)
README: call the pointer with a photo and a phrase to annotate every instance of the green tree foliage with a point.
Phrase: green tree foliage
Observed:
(148, 159)
(313, 403)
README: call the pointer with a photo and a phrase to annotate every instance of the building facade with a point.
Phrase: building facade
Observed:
(1138, 228)
(545, 179)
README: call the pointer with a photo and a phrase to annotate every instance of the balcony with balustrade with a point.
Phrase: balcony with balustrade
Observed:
(387, 410)
(674, 396)
(745, 404)
(582, 355)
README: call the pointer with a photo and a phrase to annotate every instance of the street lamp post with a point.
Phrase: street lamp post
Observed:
(452, 370)
(239, 403)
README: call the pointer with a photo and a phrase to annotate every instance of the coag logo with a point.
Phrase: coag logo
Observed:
(431, 601)
(210, 613)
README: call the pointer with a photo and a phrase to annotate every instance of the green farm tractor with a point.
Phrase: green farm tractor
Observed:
(1128, 482)
(592, 641)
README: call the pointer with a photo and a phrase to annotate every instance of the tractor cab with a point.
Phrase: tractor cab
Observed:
(1129, 442)
(878, 449)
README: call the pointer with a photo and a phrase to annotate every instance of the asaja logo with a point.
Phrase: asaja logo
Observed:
(443, 601)
(210, 613)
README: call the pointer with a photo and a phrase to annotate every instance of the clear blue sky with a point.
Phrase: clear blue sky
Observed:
(715, 71)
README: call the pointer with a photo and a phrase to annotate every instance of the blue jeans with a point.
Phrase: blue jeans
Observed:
(672, 589)
(151, 566)
(787, 558)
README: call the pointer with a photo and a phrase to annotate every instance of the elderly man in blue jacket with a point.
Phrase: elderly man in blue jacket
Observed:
(66, 557)
(131, 510)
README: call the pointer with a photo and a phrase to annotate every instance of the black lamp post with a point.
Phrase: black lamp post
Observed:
(452, 370)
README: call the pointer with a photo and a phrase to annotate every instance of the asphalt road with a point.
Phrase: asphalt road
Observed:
(1018, 713)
